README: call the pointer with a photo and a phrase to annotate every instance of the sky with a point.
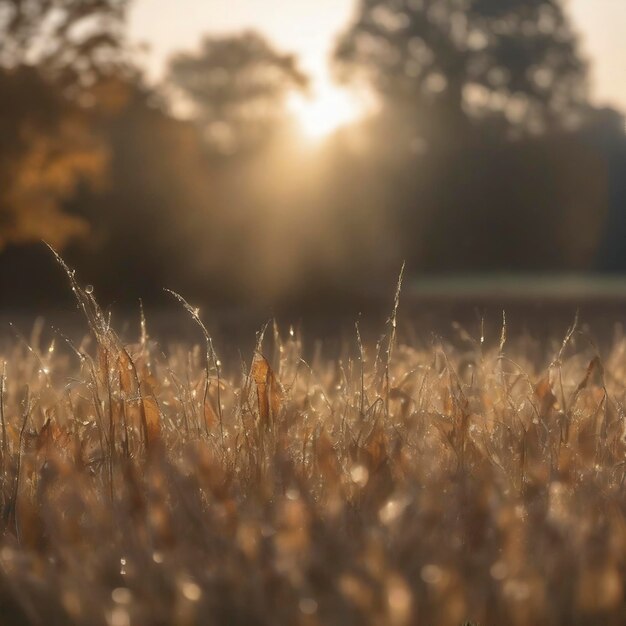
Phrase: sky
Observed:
(309, 27)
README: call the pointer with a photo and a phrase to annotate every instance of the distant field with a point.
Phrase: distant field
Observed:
(420, 479)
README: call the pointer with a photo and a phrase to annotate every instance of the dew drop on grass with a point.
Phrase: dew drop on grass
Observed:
(392, 510)
(89, 289)
(191, 591)
(431, 574)
(307, 606)
(292, 494)
(119, 617)
(121, 595)
(517, 590)
(359, 475)
(499, 570)
(400, 600)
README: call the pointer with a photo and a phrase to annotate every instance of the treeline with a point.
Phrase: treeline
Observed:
(484, 155)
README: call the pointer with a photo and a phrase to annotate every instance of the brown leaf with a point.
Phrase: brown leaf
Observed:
(376, 447)
(326, 456)
(153, 419)
(44, 437)
(125, 367)
(269, 393)
(210, 417)
(594, 364)
(547, 399)
(50, 439)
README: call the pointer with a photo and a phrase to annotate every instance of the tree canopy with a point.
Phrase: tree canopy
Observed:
(73, 42)
(236, 87)
(452, 63)
(53, 53)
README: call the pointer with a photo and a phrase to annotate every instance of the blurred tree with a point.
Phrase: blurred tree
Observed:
(235, 88)
(54, 56)
(444, 65)
(46, 150)
(149, 222)
(72, 42)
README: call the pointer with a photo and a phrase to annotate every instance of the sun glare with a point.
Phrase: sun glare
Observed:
(326, 110)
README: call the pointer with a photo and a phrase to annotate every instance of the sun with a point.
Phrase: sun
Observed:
(327, 109)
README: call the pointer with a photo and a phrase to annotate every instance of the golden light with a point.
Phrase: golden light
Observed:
(326, 110)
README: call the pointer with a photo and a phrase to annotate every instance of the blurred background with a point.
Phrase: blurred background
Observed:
(272, 155)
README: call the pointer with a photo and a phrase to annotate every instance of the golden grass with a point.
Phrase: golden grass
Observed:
(397, 485)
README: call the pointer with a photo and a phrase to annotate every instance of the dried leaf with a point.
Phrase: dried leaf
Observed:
(49, 435)
(594, 364)
(210, 417)
(44, 437)
(125, 367)
(269, 393)
(326, 456)
(376, 447)
(153, 419)
(543, 391)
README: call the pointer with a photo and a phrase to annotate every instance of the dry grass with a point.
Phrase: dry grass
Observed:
(400, 485)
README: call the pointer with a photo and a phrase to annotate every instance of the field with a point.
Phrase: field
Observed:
(403, 481)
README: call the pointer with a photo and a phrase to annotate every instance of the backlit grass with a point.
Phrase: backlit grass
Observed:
(399, 484)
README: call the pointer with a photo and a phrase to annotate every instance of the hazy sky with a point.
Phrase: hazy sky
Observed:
(308, 27)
